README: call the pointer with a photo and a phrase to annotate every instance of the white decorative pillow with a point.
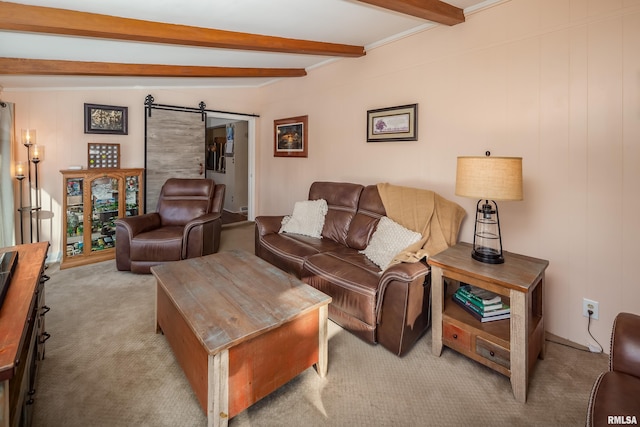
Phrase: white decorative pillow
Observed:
(307, 218)
(389, 239)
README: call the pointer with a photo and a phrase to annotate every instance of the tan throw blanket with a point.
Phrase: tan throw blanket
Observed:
(424, 211)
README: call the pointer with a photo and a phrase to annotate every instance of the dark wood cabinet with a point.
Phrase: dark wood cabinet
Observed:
(22, 334)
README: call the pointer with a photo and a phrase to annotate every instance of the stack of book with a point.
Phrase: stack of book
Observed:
(484, 305)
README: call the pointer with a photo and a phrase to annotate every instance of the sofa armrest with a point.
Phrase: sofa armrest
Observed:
(625, 344)
(134, 225)
(403, 305)
(405, 271)
(402, 272)
(268, 224)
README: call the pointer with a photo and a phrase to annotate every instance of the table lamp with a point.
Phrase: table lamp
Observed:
(488, 179)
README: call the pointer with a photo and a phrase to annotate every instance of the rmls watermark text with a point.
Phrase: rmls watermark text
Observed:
(622, 419)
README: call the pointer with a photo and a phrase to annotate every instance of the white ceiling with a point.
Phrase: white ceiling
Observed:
(335, 21)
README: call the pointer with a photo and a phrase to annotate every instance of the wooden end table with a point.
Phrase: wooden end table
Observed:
(509, 346)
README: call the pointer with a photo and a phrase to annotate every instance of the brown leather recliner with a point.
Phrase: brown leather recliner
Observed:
(615, 396)
(187, 224)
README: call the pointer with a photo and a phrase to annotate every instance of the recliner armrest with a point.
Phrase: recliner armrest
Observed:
(201, 236)
(625, 344)
(139, 223)
(401, 272)
(201, 220)
(268, 224)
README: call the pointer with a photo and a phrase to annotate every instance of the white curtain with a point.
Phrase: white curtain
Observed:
(7, 208)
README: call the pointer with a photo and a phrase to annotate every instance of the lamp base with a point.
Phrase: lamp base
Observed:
(487, 255)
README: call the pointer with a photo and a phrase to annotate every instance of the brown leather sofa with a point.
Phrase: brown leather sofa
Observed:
(390, 307)
(187, 224)
(615, 396)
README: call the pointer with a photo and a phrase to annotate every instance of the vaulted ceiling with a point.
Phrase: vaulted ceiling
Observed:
(164, 43)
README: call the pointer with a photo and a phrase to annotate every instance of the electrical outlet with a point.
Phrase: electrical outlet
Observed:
(587, 305)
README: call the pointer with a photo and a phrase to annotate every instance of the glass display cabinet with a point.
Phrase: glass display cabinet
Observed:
(92, 201)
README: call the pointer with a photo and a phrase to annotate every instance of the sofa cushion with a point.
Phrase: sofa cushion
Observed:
(159, 244)
(355, 258)
(289, 251)
(370, 210)
(182, 200)
(389, 239)
(342, 200)
(352, 285)
(307, 218)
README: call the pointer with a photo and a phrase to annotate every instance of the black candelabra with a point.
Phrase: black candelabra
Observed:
(34, 155)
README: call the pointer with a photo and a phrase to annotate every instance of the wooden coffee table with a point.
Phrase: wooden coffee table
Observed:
(239, 327)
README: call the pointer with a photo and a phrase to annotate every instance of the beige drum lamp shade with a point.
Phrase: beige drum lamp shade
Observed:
(489, 178)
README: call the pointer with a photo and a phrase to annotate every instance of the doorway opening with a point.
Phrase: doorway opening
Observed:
(229, 159)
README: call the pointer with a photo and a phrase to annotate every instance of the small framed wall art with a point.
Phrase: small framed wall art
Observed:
(393, 124)
(290, 137)
(106, 119)
(103, 156)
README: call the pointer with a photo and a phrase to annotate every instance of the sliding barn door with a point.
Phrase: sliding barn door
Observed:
(174, 149)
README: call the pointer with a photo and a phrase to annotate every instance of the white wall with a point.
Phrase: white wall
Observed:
(554, 81)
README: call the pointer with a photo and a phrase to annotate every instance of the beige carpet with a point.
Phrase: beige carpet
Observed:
(105, 366)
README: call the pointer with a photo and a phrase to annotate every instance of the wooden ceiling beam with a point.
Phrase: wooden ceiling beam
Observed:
(432, 10)
(38, 19)
(19, 66)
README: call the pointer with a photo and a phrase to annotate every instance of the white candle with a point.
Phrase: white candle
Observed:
(20, 170)
(28, 136)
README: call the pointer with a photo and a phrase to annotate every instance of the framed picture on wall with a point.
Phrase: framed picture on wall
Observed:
(393, 124)
(290, 137)
(100, 155)
(106, 119)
